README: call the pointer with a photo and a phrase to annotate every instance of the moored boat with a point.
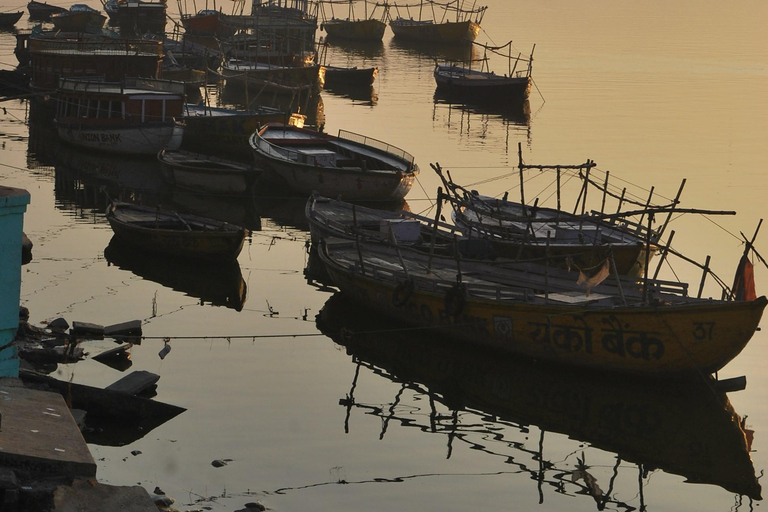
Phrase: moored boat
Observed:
(458, 82)
(225, 132)
(9, 19)
(351, 166)
(263, 78)
(208, 174)
(354, 30)
(206, 22)
(79, 18)
(173, 233)
(55, 55)
(463, 27)
(350, 77)
(42, 11)
(651, 327)
(135, 116)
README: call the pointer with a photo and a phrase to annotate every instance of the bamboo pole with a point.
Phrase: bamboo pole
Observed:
(704, 276)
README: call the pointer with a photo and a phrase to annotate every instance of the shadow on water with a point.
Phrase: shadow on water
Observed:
(355, 49)
(436, 51)
(683, 427)
(364, 94)
(221, 284)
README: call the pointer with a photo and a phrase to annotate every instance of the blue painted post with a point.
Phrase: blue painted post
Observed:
(13, 204)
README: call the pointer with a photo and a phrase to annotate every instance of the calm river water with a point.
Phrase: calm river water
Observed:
(655, 92)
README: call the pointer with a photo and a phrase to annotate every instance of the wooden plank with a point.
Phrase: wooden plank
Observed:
(134, 383)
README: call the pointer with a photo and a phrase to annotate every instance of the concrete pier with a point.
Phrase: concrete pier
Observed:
(38, 434)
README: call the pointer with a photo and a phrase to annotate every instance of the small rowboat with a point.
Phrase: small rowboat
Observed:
(9, 19)
(355, 167)
(207, 174)
(175, 234)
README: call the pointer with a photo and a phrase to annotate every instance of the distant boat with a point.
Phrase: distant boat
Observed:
(79, 18)
(464, 29)
(207, 22)
(342, 78)
(175, 234)
(355, 30)
(351, 166)
(208, 174)
(42, 11)
(9, 19)
(484, 86)
(270, 79)
(135, 116)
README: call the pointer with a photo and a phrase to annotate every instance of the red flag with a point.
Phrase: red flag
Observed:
(744, 282)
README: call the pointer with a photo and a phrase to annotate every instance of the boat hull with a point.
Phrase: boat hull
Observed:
(274, 79)
(481, 87)
(205, 174)
(355, 30)
(42, 11)
(450, 32)
(351, 185)
(211, 244)
(144, 139)
(665, 340)
(9, 19)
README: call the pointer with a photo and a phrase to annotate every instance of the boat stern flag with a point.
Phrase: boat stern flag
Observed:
(744, 282)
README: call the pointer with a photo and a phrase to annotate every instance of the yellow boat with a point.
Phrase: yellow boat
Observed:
(355, 30)
(621, 324)
(689, 429)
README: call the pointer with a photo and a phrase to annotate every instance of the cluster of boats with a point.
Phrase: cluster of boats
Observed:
(575, 288)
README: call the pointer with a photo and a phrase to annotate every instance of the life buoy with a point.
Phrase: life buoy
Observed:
(455, 298)
(402, 293)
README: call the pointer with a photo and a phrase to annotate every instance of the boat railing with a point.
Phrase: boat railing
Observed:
(104, 46)
(382, 146)
(266, 147)
(98, 84)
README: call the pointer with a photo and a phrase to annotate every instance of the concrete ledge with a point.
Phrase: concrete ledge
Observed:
(91, 496)
(38, 434)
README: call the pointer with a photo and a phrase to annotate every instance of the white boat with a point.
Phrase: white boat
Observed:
(351, 166)
(207, 174)
(136, 116)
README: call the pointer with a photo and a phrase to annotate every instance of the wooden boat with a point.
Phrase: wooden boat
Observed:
(225, 132)
(485, 86)
(369, 28)
(137, 18)
(354, 30)
(79, 18)
(208, 174)
(351, 166)
(501, 399)
(175, 234)
(464, 29)
(336, 218)
(262, 78)
(9, 19)
(42, 11)
(585, 239)
(347, 78)
(135, 116)
(648, 327)
(55, 55)
(206, 22)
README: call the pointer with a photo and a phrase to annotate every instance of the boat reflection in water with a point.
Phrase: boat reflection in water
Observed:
(435, 50)
(218, 285)
(684, 428)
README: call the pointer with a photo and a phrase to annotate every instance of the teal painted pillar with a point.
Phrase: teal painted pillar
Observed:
(13, 204)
